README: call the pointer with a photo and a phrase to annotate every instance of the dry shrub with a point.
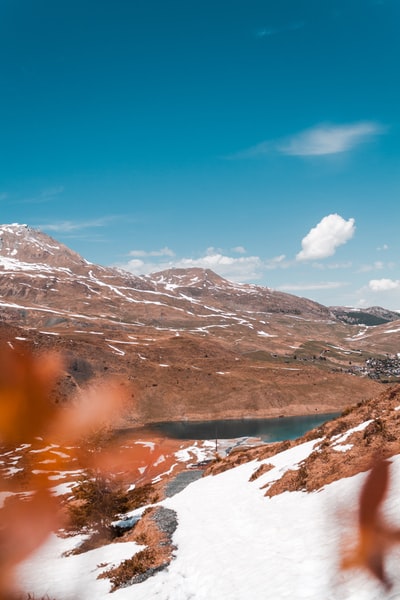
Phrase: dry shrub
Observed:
(131, 568)
(98, 500)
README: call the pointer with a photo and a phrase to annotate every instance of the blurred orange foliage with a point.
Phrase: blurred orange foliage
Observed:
(27, 411)
(375, 537)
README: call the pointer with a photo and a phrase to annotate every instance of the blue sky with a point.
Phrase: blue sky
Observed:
(257, 138)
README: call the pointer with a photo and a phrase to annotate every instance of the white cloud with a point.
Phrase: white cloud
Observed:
(329, 139)
(383, 248)
(323, 239)
(162, 252)
(384, 285)
(235, 268)
(239, 250)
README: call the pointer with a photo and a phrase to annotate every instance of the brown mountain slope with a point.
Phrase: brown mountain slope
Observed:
(194, 344)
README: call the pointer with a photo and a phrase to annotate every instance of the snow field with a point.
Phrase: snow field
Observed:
(233, 543)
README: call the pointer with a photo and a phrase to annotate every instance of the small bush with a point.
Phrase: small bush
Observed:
(97, 502)
(130, 568)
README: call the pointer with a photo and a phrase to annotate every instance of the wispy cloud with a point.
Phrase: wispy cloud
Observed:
(332, 266)
(323, 239)
(265, 32)
(321, 140)
(377, 265)
(330, 139)
(45, 195)
(276, 262)
(142, 253)
(72, 226)
(239, 250)
(324, 285)
(257, 151)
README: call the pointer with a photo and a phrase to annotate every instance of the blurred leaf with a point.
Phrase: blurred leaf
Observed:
(28, 413)
(97, 407)
(375, 537)
(26, 382)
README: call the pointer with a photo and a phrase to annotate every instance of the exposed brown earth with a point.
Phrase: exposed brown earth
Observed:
(201, 379)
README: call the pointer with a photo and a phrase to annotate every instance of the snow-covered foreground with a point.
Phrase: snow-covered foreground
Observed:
(233, 543)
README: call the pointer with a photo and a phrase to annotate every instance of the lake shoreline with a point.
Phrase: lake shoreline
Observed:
(284, 413)
(268, 429)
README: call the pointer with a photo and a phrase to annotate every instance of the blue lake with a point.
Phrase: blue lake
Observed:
(269, 430)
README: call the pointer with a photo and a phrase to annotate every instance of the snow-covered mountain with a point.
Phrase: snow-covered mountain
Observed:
(22, 247)
(39, 273)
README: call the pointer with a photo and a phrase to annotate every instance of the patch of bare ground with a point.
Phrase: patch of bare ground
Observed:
(349, 445)
(154, 531)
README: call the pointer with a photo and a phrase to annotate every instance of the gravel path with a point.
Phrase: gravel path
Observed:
(182, 480)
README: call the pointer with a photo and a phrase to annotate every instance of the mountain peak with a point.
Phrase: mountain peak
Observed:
(191, 277)
(24, 244)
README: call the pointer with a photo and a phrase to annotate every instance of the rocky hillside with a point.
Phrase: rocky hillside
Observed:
(375, 315)
(191, 342)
